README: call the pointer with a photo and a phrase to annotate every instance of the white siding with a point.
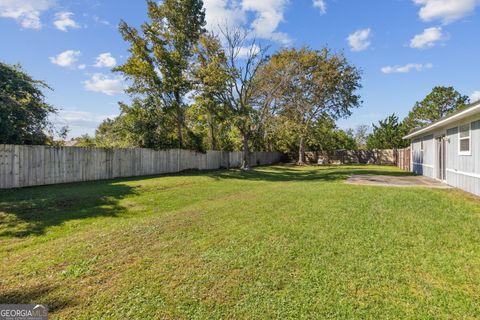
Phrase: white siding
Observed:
(463, 171)
(423, 161)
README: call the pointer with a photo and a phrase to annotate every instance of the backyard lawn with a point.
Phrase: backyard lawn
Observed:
(276, 242)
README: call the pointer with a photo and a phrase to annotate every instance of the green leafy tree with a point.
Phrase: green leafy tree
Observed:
(85, 140)
(238, 94)
(212, 125)
(387, 134)
(361, 134)
(24, 114)
(323, 136)
(313, 85)
(107, 134)
(441, 102)
(141, 124)
(326, 137)
(343, 140)
(210, 116)
(161, 58)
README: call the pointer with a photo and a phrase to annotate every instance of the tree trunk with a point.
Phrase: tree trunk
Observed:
(179, 131)
(301, 152)
(178, 101)
(245, 153)
(213, 136)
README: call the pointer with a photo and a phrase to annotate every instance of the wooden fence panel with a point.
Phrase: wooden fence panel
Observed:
(403, 159)
(398, 157)
(382, 157)
(22, 165)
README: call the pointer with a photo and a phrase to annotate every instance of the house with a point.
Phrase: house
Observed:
(71, 143)
(449, 149)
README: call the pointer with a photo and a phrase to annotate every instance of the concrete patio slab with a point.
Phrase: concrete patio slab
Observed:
(396, 181)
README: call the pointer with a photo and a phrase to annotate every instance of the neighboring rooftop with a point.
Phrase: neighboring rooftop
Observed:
(71, 143)
(458, 115)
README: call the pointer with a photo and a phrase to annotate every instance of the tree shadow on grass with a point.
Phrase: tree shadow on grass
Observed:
(31, 211)
(316, 173)
(39, 294)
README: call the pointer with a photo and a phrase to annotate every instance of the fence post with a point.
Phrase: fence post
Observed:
(22, 166)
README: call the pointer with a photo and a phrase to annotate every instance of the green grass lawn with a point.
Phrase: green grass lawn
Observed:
(277, 242)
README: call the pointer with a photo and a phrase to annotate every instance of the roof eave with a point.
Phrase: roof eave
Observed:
(448, 120)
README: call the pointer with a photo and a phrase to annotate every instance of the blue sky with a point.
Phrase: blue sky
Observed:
(403, 47)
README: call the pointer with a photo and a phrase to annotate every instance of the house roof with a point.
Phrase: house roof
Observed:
(71, 143)
(472, 109)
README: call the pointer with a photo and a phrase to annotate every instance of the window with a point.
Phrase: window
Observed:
(464, 140)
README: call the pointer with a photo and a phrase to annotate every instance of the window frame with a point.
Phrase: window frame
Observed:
(469, 152)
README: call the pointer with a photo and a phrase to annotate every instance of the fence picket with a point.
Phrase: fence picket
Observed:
(22, 166)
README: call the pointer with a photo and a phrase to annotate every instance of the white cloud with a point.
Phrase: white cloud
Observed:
(445, 10)
(428, 38)
(66, 58)
(321, 5)
(359, 40)
(267, 16)
(102, 83)
(97, 19)
(105, 60)
(82, 118)
(475, 96)
(79, 122)
(220, 12)
(63, 21)
(407, 68)
(26, 12)
(244, 52)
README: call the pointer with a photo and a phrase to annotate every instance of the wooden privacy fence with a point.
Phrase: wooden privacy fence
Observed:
(383, 157)
(402, 159)
(398, 157)
(22, 166)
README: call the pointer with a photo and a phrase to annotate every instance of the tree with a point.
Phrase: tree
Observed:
(23, 110)
(211, 77)
(361, 133)
(314, 84)
(209, 122)
(441, 102)
(325, 136)
(84, 141)
(239, 94)
(161, 57)
(343, 140)
(141, 124)
(388, 134)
